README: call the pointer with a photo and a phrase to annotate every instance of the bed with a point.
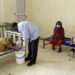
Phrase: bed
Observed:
(12, 35)
(46, 41)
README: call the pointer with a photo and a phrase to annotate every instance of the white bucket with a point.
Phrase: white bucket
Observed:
(20, 57)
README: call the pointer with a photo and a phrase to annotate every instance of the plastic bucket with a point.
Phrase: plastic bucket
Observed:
(20, 57)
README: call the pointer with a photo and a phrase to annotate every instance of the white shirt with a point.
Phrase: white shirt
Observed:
(29, 30)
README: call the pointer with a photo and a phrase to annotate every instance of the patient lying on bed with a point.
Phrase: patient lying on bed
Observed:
(5, 43)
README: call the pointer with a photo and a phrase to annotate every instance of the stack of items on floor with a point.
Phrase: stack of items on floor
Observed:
(72, 42)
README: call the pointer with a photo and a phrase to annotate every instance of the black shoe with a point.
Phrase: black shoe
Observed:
(60, 50)
(53, 47)
(28, 58)
(73, 50)
(31, 63)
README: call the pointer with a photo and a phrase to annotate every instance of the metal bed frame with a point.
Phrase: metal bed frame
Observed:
(10, 51)
(6, 31)
(5, 26)
(46, 41)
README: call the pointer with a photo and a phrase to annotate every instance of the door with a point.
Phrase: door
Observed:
(20, 11)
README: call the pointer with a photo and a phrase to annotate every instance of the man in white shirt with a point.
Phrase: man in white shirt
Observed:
(32, 33)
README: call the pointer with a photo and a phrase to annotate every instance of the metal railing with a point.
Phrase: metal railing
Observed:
(4, 27)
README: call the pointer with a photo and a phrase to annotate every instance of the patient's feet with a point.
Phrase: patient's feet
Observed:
(59, 50)
(53, 48)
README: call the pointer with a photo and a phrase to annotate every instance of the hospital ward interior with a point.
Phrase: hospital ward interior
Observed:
(45, 29)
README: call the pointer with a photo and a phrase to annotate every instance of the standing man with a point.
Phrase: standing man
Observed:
(32, 33)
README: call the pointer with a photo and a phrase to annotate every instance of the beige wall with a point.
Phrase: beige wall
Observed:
(45, 13)
(0, 12)
(29, 9)
(7, 11)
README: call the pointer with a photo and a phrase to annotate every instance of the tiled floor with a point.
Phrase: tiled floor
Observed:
(49, 62)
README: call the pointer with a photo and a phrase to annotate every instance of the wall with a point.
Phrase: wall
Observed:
(45, 13)
(7, 11)
(29, 9)
(0, 12)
